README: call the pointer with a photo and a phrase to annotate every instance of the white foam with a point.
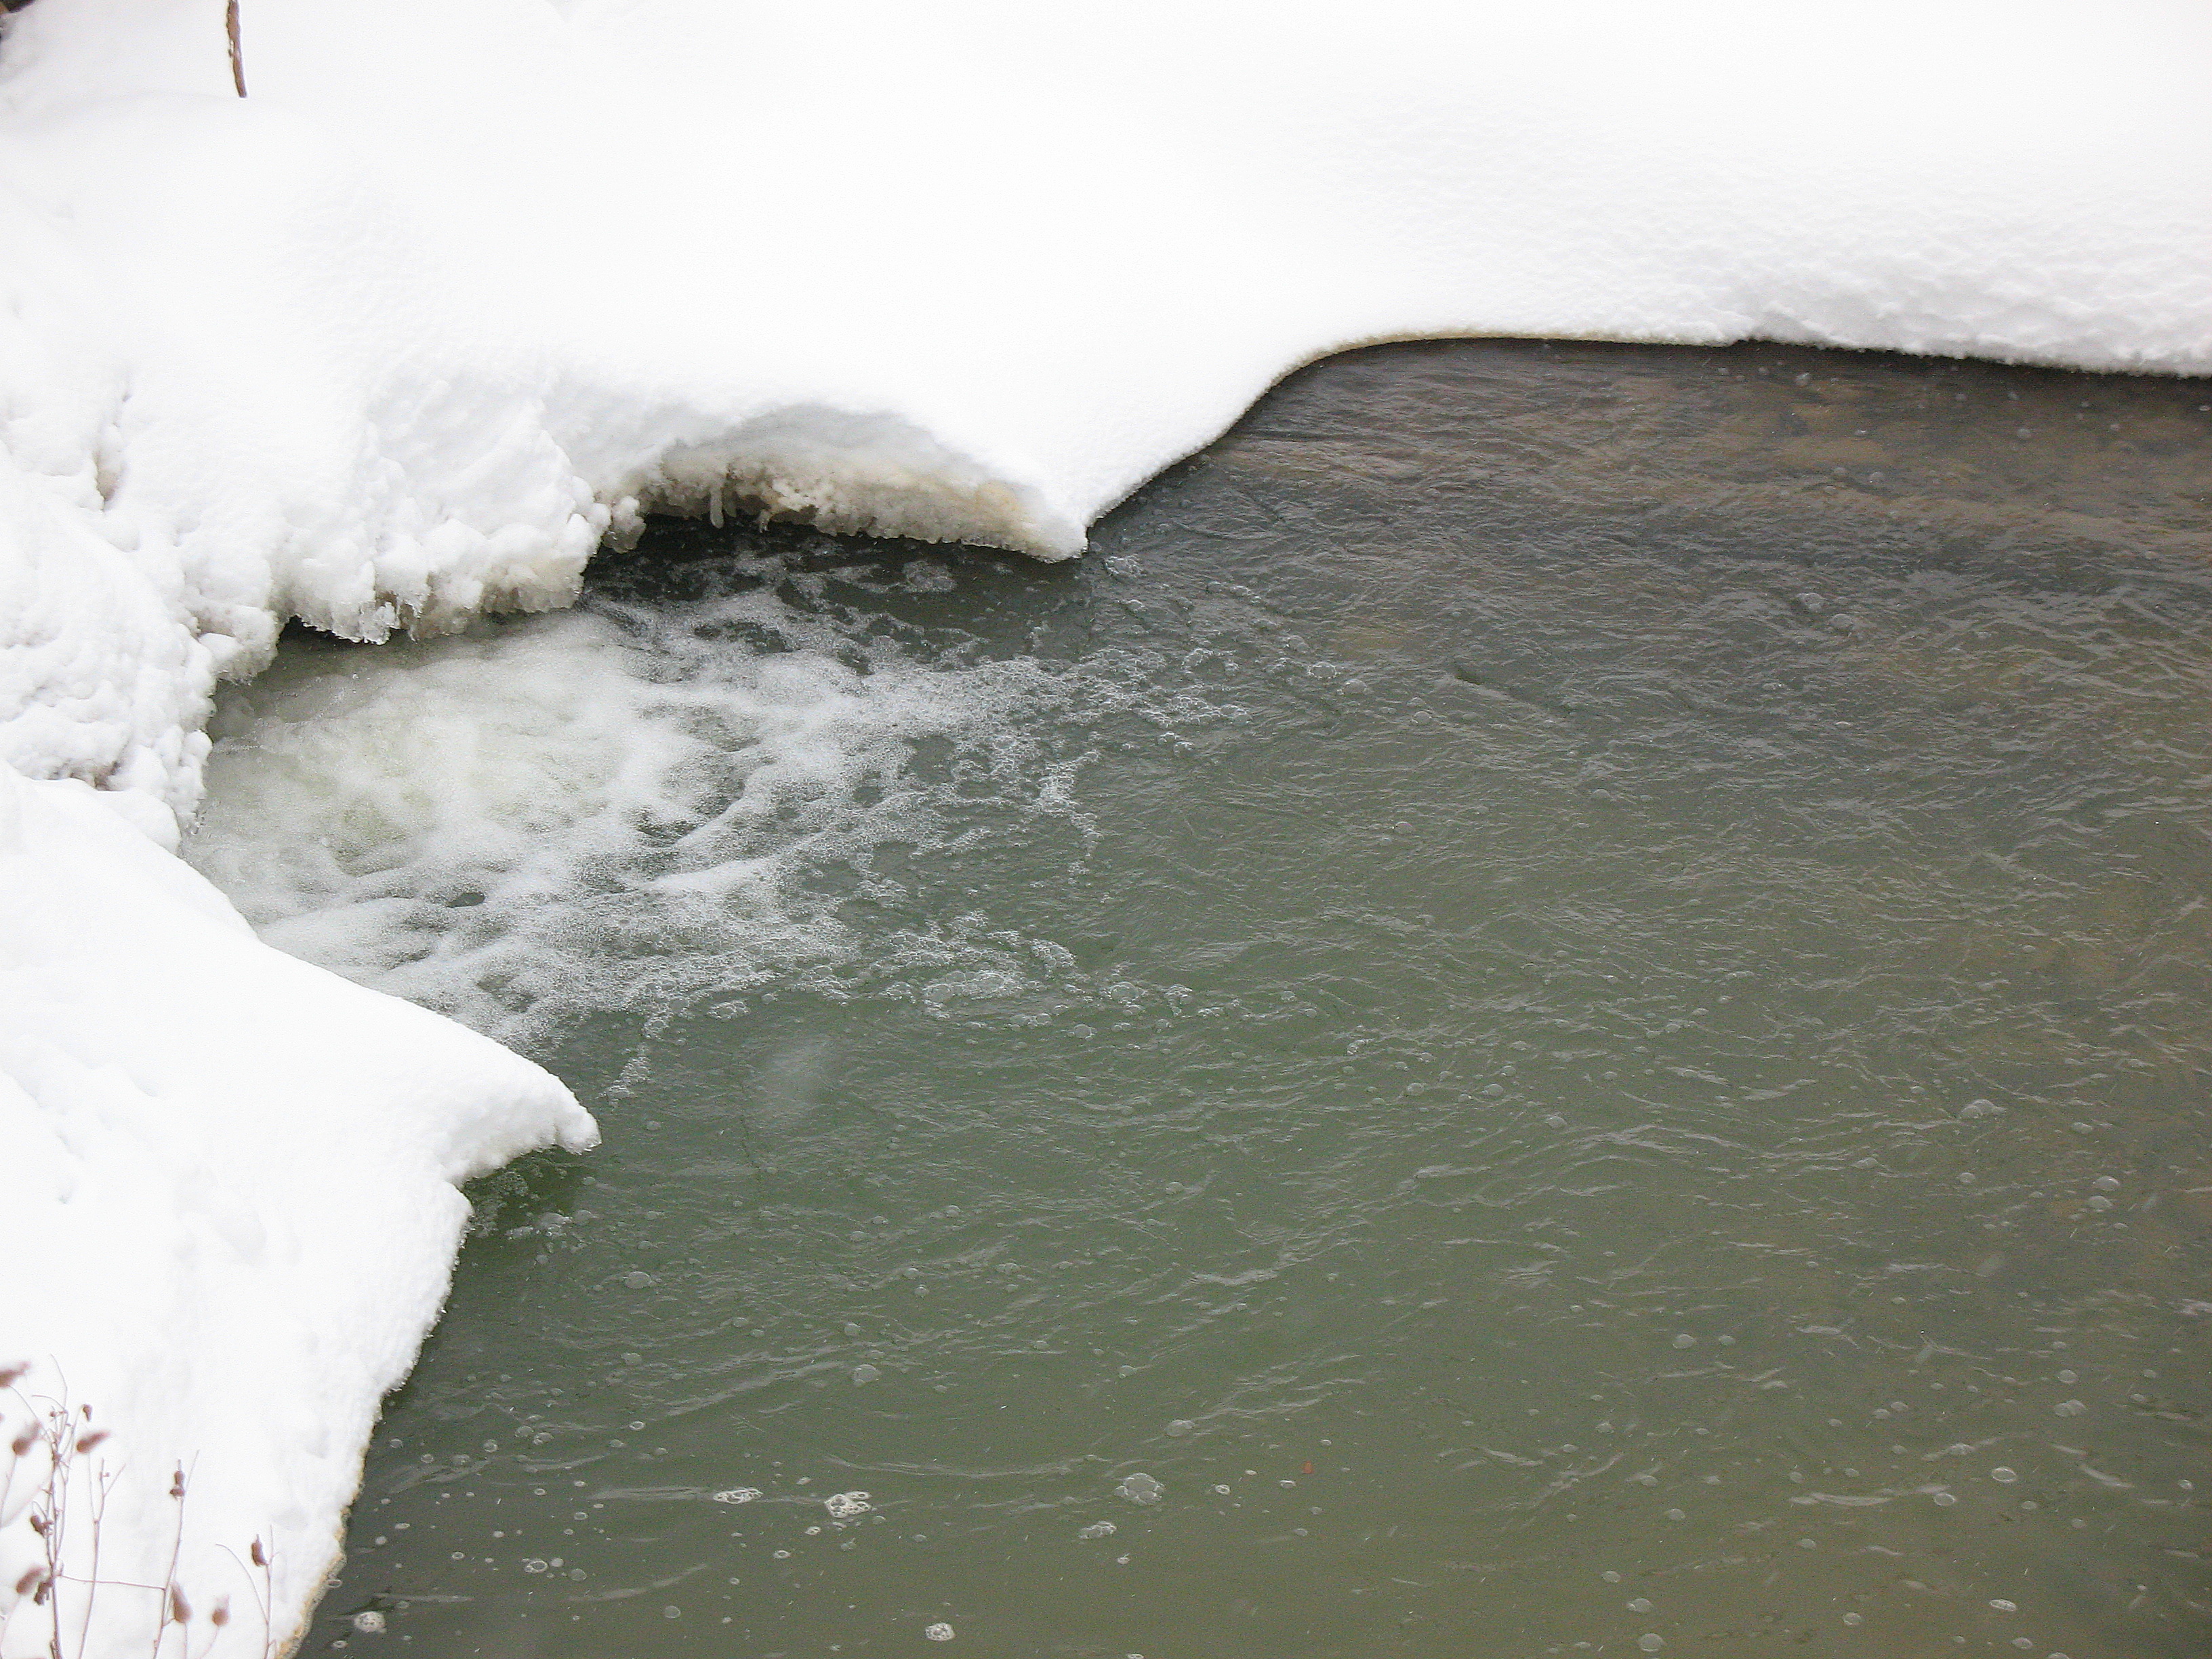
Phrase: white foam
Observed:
(604, 809)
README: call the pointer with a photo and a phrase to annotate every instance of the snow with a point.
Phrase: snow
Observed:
(464, 285)
(230, 1211)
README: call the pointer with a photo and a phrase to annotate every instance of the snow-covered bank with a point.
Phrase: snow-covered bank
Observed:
(460, 285)
(229, 1213)
(464, 282)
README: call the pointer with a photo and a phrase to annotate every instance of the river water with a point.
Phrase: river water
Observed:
(1556, 1004)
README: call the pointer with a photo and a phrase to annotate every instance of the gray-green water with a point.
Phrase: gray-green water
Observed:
(1564, 989)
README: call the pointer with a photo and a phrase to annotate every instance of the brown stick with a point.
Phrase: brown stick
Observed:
(237, 56)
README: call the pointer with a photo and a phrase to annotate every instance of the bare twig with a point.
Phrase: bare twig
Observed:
(263, 1593)
(62, 1437)
(103, 1484)
(50, 1516)
(237, 53)
(174, 1609)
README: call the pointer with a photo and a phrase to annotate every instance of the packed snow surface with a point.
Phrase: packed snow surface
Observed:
(464, 285)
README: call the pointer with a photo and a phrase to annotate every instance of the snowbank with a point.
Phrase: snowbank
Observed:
(228, 1211)
(465, 284)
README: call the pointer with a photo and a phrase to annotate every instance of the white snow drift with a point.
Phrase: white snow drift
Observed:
(464, 284)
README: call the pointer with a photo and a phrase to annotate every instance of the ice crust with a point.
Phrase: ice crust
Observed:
(467, 285)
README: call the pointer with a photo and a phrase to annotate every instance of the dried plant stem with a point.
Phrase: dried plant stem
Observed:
(103, 1483)
(237, 53)
(65, 1435)
(50, 1515)
(173, 1608)
(264, 1593)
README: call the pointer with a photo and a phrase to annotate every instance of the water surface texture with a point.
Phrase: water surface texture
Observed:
(1558, 1005)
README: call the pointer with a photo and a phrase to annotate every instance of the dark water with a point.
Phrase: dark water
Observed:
(1558, 1005)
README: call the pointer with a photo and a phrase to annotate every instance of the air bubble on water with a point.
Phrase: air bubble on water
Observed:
(843, 1504)
(865, 1374)
(1650, 1642)
(1853, 1618)
(671, 1613)
(2069, 1408)
(1641, 1604)
(2106, 1184)
(1098, 1530)
(1223, 1490)
(851, 1329)
(1141, 1489)
(633, 1359)
(783, 1555)
(1181, 1426)
(1686, 1340)
(2003, 1605)
(939, 1633)
(737, 1495)
(637, 1281)
(1943, 1499)
(1555, 1121)
(369, 1623)
(2004, 1476)
(1977, 1108)
(1677, 1514)
(533, 1565)
(1610, 1578)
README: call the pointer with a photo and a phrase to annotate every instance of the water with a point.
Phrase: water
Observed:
(1558, 1005)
